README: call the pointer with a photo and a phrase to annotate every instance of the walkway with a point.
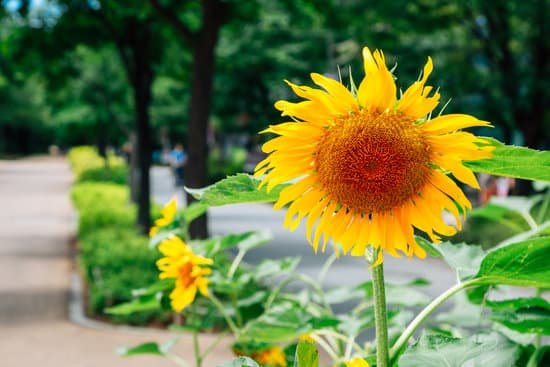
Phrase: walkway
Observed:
(36, 222)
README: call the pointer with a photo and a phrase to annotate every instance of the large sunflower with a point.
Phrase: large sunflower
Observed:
(367, 167)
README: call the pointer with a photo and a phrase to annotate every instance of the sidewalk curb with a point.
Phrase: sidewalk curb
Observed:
(78, 316)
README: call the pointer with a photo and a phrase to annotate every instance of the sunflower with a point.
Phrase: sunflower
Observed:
(357, 362)
(168, 214)
(271, 357)
(366, 167)
(186, 268)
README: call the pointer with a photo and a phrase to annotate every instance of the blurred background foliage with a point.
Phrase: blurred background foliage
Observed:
(62, 80)
(207, 72)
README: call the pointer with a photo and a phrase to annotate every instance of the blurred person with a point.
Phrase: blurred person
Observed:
(178, 160)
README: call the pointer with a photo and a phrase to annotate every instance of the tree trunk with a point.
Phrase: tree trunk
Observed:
(201, 95)
(142, 80)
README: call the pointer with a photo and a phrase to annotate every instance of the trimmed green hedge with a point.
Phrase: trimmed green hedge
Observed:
(102, 205)
(114, 261)
(113, 257)
(88, 166)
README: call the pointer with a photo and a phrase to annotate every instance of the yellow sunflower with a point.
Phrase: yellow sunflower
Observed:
(188, 269)
(357, 362)
(367, 167)
(270, 357)
(168, 213)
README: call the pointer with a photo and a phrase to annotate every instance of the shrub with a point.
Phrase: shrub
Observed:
(114, 261)
(102, 205)
(88, 165)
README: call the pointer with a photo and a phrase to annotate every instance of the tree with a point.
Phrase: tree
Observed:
(202, 43)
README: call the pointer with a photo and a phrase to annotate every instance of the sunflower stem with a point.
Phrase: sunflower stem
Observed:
(380, 317)
(196, 348)
(427, 311)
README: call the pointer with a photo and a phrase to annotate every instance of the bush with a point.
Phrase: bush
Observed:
(87, 165)
(102, 205)
(114, 261)
(114, 258)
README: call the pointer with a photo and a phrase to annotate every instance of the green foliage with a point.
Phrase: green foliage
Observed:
(241, 362)
(306, 354)
(88, 166)
(438, 350)
(524, 315)
(102, 205)
(115, 261)
(515, 161)
(241, 188)
(148, 348)
(522, 264)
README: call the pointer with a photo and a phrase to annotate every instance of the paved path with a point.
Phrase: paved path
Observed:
(36, 222)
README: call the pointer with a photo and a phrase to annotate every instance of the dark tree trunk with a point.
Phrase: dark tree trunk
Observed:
(102, 138)
(201, 96)
(142, 80)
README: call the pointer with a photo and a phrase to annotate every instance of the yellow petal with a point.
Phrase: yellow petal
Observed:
(377, 90)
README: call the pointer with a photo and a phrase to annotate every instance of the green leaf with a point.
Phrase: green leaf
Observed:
(306, 354)
(145, 348)
(153, 289)
(273, 268)
(241, 188)
(464, 259)
(478, 350)
(193, 211)
(143, 303)
(523, 264)
(281, 323)
(240, 362)
(398, 294)
(244, 241)
(513, 161)
(524, 315)
(148, 348)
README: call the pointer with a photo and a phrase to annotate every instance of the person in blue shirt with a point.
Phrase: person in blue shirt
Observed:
(178, 159)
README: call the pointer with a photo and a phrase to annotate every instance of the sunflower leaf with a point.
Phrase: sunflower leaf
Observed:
(478, 350)
(514, 161)
(524, 315)
(241, 362)
(241, 188)
(522, 264)
(306, 354)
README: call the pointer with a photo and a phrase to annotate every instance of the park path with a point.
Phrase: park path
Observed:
(36, 225)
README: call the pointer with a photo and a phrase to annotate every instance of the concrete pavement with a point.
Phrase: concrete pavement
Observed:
(36, 223)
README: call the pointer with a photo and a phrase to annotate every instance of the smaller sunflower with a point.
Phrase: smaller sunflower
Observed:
(271, 357)
(168, 213)
(357, 362)
(189, 271)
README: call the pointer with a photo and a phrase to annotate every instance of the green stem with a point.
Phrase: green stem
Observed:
(380, 317)
(544, 206)
(234, 329)
(196, 348)
(423, 315)
(211, 347)
(538, 337)
(535, 357)
(236, 262)
(235, 304)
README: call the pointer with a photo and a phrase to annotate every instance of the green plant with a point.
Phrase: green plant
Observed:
(114, 261)
(102, 205)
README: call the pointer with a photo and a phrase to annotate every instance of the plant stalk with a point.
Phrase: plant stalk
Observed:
(380, 316)
(427, 311)
(197, 349)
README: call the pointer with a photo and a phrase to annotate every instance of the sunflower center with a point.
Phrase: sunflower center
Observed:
(371, 162)
(185, 274)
